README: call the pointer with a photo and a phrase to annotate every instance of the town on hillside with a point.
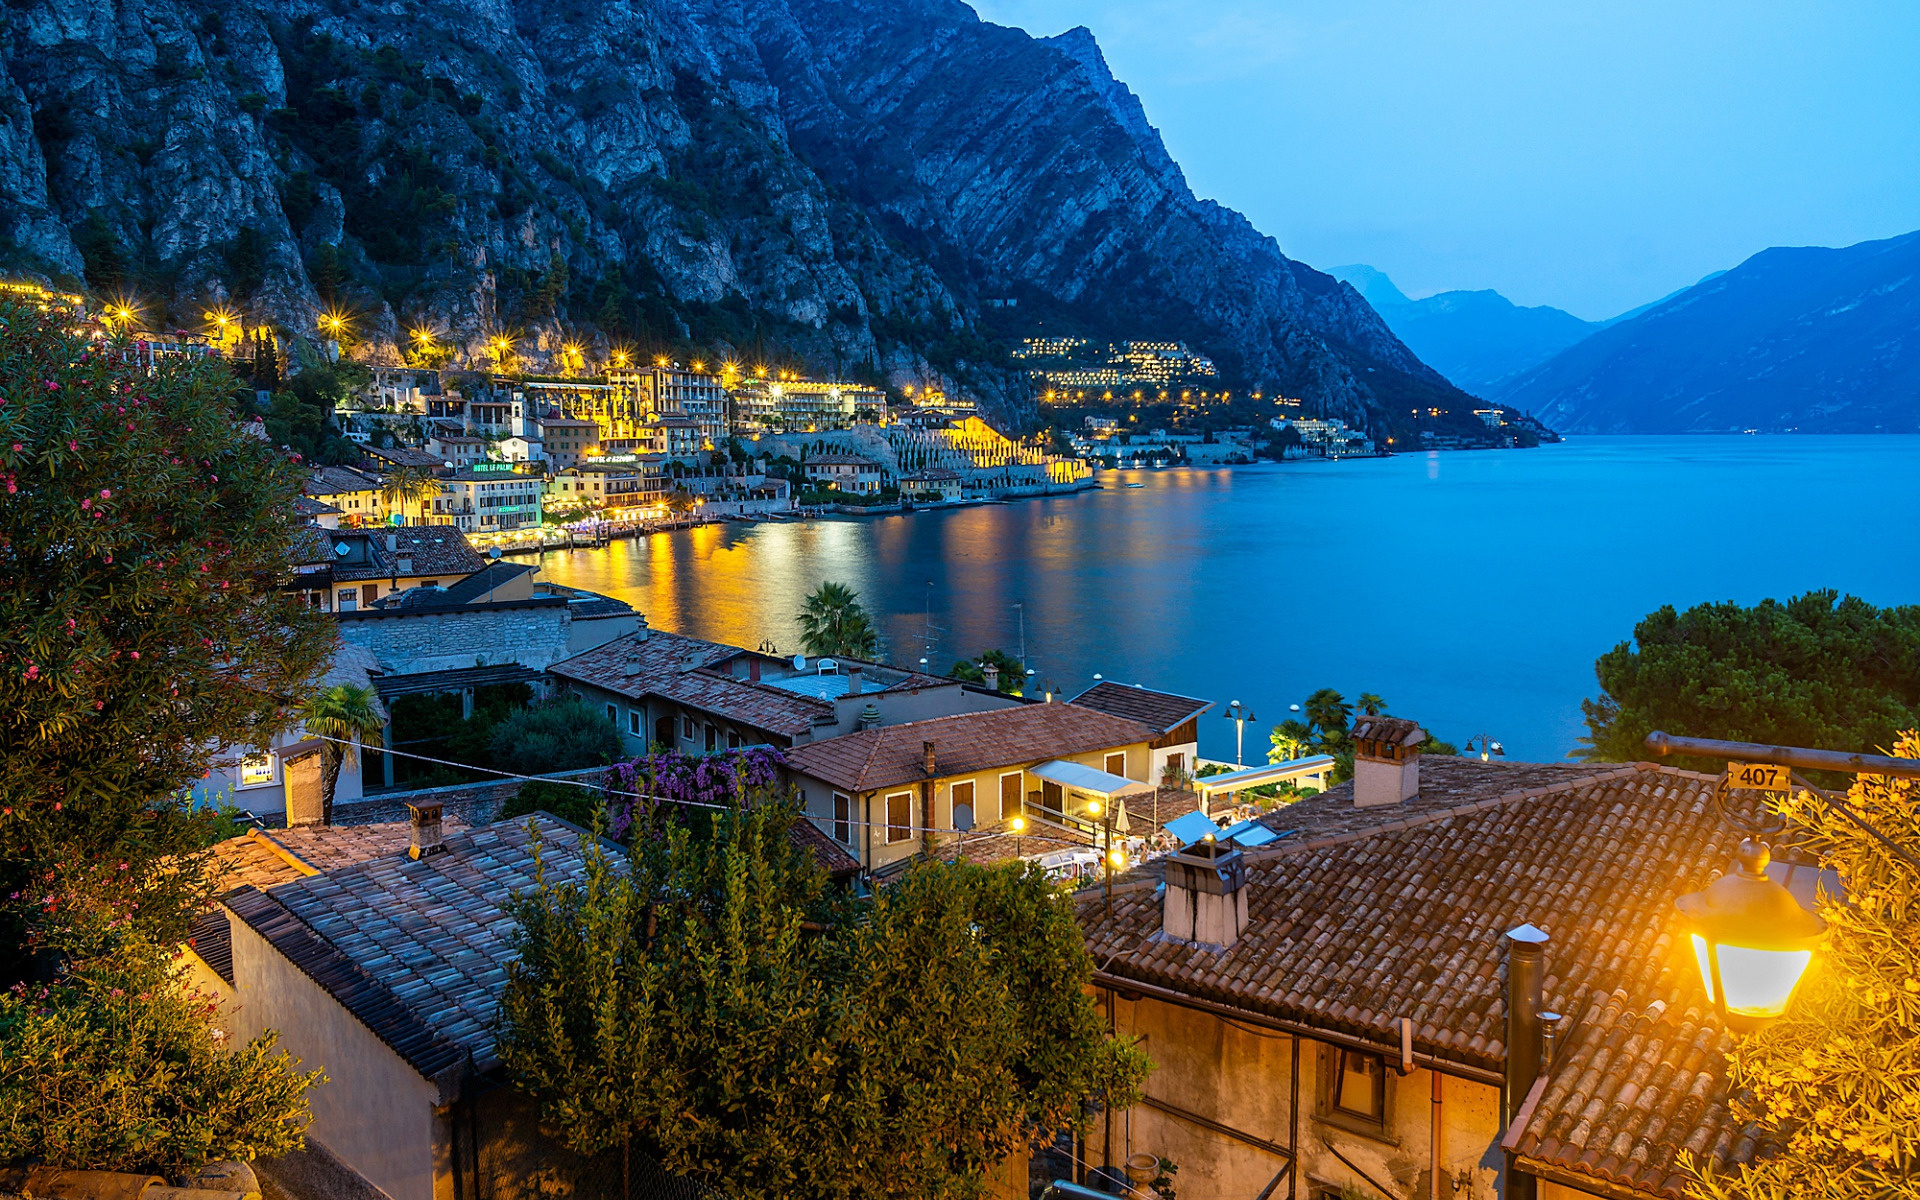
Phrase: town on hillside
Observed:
(351, 858)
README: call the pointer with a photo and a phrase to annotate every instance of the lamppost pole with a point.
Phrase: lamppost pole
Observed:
(1239, 714)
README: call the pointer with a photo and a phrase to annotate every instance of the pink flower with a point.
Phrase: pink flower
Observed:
(73, 445)
(52, 386)
(86, 504)
(32, 673)
(136, 656)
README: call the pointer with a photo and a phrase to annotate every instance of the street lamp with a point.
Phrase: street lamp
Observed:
(1488, 747)
(1239, 714)
(1751, 938)
(1018, 824)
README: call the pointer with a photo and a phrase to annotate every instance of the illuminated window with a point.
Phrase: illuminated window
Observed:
(899, 817)
(256, 770)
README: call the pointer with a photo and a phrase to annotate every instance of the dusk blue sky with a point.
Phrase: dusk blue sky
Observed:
(1592, 156)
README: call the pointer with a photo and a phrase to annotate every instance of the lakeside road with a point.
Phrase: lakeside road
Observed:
(1472, 589)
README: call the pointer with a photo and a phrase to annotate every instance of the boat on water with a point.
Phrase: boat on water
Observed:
(1135, 485)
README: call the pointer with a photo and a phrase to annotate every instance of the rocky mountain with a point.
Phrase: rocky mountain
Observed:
(890, 189)
(1477, 339)
(1809, 339)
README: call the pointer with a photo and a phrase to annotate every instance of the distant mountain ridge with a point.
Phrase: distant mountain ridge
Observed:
(1478, 339)
(1805, 339)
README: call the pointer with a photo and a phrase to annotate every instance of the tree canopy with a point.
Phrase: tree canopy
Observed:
(834, 622)
(1836, 1081)
(1820, 670)
(559, 735)
(714, 1000)
(1013, 673)
(143, 539)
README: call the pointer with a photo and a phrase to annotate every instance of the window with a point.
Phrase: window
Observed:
(899, 817)
(961, 795)
(843, 818)
(369, 592)
(1010, 796)
(733, 741)
(347, 600)
(633, 721)
(1176, 765)
(686, 728)
(1117, 763)
(256, 770)
(1353, 1092)
(713, 739)
(613, 713)
(1052, 798)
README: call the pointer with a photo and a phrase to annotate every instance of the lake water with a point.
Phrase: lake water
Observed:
(1472, 590)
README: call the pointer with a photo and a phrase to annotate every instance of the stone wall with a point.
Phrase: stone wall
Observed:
(533, 634)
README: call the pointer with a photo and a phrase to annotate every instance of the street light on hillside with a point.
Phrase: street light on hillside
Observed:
(1239, 714)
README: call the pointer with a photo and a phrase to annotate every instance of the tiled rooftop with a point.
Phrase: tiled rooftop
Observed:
(336, 481)
(266, 858)
(433, 934)
(1162, 710)
(1363, 916)
(672, 666)
(968, 742)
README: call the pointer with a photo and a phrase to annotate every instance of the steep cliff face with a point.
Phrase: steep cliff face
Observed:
(844, 180)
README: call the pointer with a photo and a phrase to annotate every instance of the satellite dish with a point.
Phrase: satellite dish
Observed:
(494, 553)
(799, 662)
(341, 549)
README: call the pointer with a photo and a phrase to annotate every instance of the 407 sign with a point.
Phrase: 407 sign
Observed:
(1760, 777)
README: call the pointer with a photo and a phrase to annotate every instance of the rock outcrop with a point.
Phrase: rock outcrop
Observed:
(891, 188)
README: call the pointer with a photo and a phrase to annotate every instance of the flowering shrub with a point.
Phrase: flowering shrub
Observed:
(635, 790)
(143, 539)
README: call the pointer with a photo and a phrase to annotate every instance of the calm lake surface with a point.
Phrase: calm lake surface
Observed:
(1473, 590)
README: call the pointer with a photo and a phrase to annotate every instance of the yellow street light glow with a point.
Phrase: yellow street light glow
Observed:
(1093, 808)
(661, 361)
(1017, 824)
(619, 358)
(699, 366)
(1118, 858)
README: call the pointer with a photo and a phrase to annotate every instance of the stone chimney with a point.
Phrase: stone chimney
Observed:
(870, 716)
(424, 838)
(1206, 895)
(992, 673)
(1386, 760)
(853, 681)
(640, 630)
(926, 758)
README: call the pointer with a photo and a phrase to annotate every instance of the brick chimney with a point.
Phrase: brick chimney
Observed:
(424, 838)
(926, 757)
(1206, 895)
(1386, 760)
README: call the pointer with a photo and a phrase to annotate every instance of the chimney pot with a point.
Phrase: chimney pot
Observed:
(926, 751)
(992, 673)
(853, 681)
(425, 838)
(1386, 760)
(1206, 895)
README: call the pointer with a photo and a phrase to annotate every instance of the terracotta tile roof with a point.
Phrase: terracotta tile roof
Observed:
(1352, 930)
(403, 456)
(434, 549)
(1640, 1080)
(307, 506)
(431, 935)
(1446, 783)
(979, 741)
(1162, 710)
(266, 858)
(337, 481)
(1397, 731)
(353, 986)
(827, 852)
(672, 667)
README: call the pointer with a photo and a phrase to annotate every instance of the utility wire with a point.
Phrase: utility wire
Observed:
(1038, 837)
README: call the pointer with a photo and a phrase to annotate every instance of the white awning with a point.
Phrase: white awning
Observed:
(1298, 770)
(1086, 779)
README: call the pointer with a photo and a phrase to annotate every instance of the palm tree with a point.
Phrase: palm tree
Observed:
(1328, 711)
(346, 716)
(1290, 739)
(1371, 704)
(409, 485)
(834, 623)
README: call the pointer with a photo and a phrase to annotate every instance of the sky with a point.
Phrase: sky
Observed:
(1592, 156)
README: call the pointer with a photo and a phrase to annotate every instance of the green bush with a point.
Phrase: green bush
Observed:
(584, 806)
(560, 735)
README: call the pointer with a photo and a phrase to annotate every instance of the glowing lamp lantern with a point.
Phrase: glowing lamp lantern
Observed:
(1752, 940)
